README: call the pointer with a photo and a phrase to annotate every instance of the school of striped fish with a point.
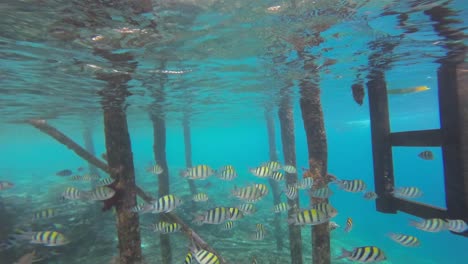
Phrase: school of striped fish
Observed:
(226, 216)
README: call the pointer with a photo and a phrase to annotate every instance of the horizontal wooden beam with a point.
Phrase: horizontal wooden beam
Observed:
(418, 209)
(429, 138)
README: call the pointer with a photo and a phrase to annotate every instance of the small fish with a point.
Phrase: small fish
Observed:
(204, 256)
(332, 225)
(164, 204)
(228, 225)
(158, 226)
(171, 228)
(99, 193)
(426, 155)
(5, 185)
(72, 193)
(49, 238)
(235, 213)
(305, 183)
(251, 193)
(370, 195)
(64, 173)
(430, 225)
(323, 193)
(188, 258)
(247, 208)
(365, 254)
(352, 185)
(349, 225)
(281, 207)
(408, 192)
(408, 90)
(227, 175)
(85, 178)
(405, 240)
(261, 172)
(199, 172)
(260, 227)
(26, 259)
(308, 217)
(258, 235)
(291, 192)
(289, 169)
(358, 93)
(200, 197)
(155, 169)
(214, 216)
(327, 208)
(44, 214)
(457, 226)
(277, 176)
(273, 165)
(105, 182)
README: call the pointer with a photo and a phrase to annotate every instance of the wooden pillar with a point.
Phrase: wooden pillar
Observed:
(274, 185)
(312, 116)
(381, 144)
(286, 118)
(120, 158)
(188, 151)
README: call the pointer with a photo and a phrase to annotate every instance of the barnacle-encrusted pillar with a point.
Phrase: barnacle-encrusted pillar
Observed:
(286, 118)
(274, 185)
(312, 116)
(120, 159)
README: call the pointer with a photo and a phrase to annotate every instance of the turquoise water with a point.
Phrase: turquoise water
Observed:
(226, 66)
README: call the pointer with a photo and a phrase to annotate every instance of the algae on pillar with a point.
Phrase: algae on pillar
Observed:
(120, 157)
(286, 118)
(274, 185)
(312, 116)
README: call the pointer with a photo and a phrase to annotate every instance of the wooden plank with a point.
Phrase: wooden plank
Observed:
(418, 209)
(429, 138)
(381, 147)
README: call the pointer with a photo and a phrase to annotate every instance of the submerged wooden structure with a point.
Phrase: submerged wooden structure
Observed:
(452, 136)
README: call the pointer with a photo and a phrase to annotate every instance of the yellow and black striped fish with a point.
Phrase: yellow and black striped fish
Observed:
(323, 193)
(105, 182)
(227, 175)
(247, 208)
(277, 176)
(100, 193)
(228, 225)
(405, 240)
(349, 225)
(171, 228)
(408, 192)
(235, 213)
(352, 185)
(200, 197)
(308, 217)
(44, 214)
(327, 208)
(426, 155)
(214, 216)
(159, 226)
(199, 172)
(155, 169)
(289, 169)
(188, 258)
(305, 183)
(258, 235)
(457, 225)
(252, 193)
(205, 257)
(430, 225)
(281, 207)
(49, 238)
(365, 254)
(261, 172)
(164, 204)
(72, 193)
(291, 192)
(273, 165)
(260, 227)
